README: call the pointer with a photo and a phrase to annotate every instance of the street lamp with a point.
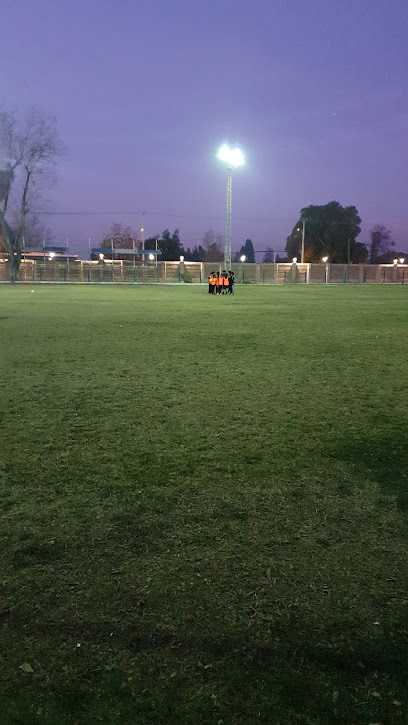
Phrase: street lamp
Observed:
(326, 271)
(294, 260)
(181, 259)
(302, 253)
(402, 260)
(395, 261)
(151, 257)
(101, 256)
(242, 258)
(232, 158)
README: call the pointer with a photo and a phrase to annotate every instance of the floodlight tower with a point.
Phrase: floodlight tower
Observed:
(232, 158)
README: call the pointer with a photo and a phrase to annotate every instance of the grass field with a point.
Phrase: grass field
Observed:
(203, 506)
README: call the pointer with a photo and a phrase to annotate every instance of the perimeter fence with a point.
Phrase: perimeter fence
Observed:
(118, 272)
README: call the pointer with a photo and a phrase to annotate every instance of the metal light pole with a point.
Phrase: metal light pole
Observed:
(302, 256)
(227, 250)
(143, 240)
(232, 157)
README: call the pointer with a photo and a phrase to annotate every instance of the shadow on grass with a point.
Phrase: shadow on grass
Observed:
(383, 459)
(289, 678)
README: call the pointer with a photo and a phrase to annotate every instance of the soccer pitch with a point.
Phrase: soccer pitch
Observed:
(203, 505)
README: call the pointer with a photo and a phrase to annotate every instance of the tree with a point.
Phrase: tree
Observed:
(123, 237)
(380, 244)
(198, 254)
(360, 253)
(36, 234)
(248, 250)
(170, 246)
(212, 248)
(331, 230)
(30, 148)
(269, 256)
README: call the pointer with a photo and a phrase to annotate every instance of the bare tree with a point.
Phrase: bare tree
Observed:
(269, 256)
(122, 237)
(29, 150)
(212, 244)
(380, 243)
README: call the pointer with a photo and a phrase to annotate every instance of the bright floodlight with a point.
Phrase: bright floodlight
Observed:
(243, 258)
(151, 257)
(294, 260)
(233, 157)
(181, 259)
(402, 260)
(52, 254)
(101, 256)
(325, 259)
(395, 261)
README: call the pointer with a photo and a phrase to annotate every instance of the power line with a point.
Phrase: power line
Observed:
(397, 225)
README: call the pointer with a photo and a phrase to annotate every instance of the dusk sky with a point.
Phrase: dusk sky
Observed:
(144, 91)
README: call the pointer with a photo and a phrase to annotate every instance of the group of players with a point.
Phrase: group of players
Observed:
(221, 283)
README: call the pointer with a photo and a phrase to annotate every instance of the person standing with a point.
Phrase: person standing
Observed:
(225, 283)
(218, 284)
(211, 283)
(231, 282)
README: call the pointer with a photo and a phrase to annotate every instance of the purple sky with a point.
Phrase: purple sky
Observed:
(145, 90)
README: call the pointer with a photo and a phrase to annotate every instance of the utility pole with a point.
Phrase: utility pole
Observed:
(348, 250)
(302, 256)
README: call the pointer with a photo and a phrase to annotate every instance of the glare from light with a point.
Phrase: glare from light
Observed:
(395, 261)
(181, 259)
(151, 257)
(402, 260)
(325, 260)
(242, 257)
(101, 256)
(52, 255)
(232, 157)
(294, 260)
(142, 230)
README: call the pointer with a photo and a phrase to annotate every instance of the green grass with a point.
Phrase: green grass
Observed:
(203, 506)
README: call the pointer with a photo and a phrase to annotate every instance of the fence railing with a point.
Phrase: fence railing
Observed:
(198, 272)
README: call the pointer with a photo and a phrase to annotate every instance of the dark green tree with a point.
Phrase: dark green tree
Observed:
(170, 246)
(248, 250)
(331, 230)
(360, 253)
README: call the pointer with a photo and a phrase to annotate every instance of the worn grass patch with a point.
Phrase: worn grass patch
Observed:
(203, 506)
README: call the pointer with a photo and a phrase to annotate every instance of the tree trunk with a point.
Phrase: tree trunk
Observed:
(14, 259)
(13, 269)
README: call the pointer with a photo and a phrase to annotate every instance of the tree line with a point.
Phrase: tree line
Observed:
(30, 148)
(211, 249)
